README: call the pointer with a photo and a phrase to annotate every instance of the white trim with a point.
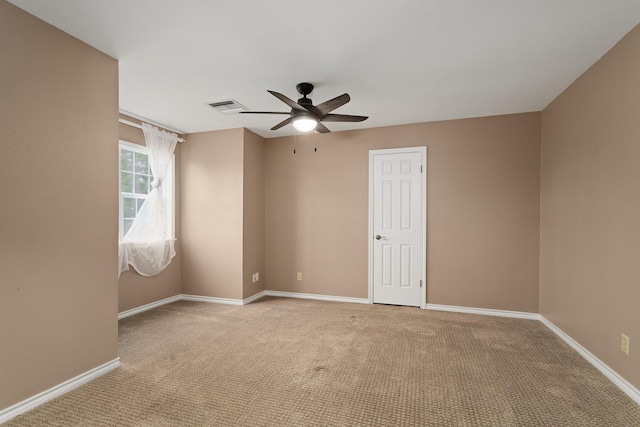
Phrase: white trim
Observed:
(197, 298)
(484, 311)
(615, 378)
(149, 306)
(132, 146)
(370, 234)
(143, 119)
(185, 297)
(65, 387)
(231, 301)
(425, 202)
(423, 205)
(316, 297)
(253, 298)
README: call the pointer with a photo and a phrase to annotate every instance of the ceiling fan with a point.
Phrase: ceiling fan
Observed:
(305, 116)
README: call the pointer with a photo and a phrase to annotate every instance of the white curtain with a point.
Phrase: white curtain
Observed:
(147, 246)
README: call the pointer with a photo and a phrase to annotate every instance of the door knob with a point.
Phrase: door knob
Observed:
(378, 237)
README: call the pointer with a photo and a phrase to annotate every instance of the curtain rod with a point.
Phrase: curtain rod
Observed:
(136, 125)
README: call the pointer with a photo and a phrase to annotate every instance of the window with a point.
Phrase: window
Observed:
(135, 184)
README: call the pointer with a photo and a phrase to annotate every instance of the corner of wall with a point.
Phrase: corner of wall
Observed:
(253, 214)
(589, 207)
(212, 181)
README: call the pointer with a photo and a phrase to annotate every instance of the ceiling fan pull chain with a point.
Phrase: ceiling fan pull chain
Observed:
(315, 141)
(294, 143)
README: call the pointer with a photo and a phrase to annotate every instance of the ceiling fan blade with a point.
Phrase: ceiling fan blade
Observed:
(291, 103)
(262, 112)
(343, 118)
(282, 123)
(320, 128)
(332, 104)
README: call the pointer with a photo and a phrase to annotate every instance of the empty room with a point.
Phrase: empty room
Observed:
(319, 213)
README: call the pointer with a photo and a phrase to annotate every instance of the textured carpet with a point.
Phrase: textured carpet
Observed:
(290, 362)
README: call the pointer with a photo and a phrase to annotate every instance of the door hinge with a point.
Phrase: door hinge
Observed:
(420, 168)
(420, 283)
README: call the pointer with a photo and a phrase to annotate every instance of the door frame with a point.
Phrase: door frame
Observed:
(423, 204)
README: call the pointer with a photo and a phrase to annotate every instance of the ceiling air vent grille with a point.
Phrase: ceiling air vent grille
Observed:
(227, 107)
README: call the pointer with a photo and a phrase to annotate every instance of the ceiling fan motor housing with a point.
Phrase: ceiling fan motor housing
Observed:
(304, 89)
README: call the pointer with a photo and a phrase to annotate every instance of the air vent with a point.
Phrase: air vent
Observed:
(227, 107)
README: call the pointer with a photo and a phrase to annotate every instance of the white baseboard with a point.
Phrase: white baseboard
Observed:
(231, 301)
(60, 389)
(187, 297)
(484, 311)
(615, 378)
(215, 300)
(253, 298)
(149, 306)
(316, 297)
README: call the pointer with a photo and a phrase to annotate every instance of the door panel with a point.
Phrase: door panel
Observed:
(397, 255)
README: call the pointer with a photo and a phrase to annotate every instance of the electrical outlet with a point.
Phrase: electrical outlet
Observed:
(257, 276)
(299, 276)
(624, 344)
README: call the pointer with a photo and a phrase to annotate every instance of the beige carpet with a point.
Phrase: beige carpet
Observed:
(287, 362)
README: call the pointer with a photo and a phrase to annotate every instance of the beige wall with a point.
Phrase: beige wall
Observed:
(510, 219)
(590, 208)
(58, 206)
(253, 214)
(212, 214)
(482, 218)
(135, 290)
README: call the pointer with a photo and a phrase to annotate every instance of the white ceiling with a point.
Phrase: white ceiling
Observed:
(402, 61)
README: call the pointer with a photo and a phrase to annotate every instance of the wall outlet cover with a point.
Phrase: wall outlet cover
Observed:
(624, 344)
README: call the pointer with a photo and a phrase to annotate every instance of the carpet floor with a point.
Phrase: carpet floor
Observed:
(288, 362)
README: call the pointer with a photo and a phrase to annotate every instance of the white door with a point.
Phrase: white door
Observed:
(397, 225)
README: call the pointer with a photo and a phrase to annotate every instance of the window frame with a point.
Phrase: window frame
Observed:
(168, 190)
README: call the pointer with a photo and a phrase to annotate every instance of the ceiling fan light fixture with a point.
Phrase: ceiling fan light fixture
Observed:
(305, 123)
(305, 116)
